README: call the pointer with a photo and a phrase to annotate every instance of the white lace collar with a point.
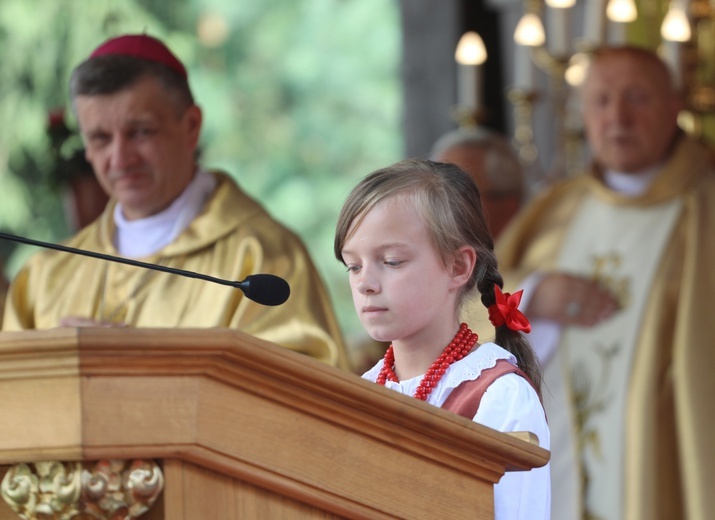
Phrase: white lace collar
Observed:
(467, 369)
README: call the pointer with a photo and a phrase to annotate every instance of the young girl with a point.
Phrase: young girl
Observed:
(415, 241)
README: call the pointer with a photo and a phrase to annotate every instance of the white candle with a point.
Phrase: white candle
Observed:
(523, 69)
(470, 54)
(468, 91)
(617, 33)
(594, 21)
(671, 56)
(558, 31)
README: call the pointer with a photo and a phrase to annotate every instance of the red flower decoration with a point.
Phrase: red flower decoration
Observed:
(505, 311)
(56, 118)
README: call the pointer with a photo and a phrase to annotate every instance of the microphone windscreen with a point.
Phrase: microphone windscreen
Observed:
(266, 289)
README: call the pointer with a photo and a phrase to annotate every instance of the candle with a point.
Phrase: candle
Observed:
(594, 21)
(558, 31)
(671, 56)
(468, 83)
(470, 54)
(523, 69)
(617, 33)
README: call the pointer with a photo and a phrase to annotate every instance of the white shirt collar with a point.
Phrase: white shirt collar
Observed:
(146, 236)
(631, 184)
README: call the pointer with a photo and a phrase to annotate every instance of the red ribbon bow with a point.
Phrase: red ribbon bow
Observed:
(505, 310)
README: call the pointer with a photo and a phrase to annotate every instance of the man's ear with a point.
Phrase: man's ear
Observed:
(193, 119)
(463, 261)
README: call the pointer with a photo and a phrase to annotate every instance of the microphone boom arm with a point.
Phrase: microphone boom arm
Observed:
(275, 282)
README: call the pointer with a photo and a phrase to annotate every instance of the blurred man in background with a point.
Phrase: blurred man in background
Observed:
(490, 160)
(140, 128)
(616, 266)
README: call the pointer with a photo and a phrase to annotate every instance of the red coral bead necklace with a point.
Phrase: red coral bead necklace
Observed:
(457, 349)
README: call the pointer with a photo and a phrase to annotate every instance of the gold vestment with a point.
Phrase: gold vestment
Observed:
(233, 237)
(668, 444)
(3, 292)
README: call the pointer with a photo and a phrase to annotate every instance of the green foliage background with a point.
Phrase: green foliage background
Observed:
(300, 101)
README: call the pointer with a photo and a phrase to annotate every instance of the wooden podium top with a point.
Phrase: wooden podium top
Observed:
(247, 409)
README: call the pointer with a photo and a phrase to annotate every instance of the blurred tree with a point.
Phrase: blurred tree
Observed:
(301, 98)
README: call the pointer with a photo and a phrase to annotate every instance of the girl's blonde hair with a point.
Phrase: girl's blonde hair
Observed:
(448, 200)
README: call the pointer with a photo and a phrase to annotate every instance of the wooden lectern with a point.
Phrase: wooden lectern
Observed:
(243, 428)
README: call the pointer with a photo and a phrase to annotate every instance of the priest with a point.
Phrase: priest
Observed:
(617, 264)
(140, 126)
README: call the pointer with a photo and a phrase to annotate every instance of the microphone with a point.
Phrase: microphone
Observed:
(266, 289)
